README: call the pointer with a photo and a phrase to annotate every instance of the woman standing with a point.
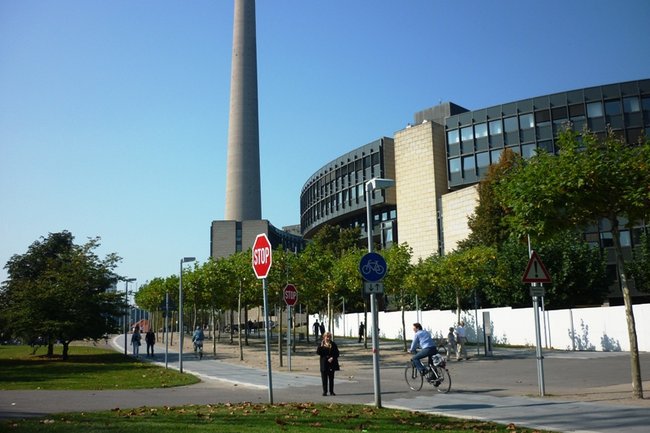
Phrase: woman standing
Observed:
(135, 341)
(329, 362)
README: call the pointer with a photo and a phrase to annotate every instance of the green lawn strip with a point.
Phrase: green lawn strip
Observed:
(87, 368)
(250, 418)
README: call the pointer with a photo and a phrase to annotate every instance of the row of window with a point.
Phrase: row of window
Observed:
(545, 117)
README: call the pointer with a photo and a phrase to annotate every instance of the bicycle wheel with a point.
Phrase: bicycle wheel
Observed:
(443, 382)
(413, 377)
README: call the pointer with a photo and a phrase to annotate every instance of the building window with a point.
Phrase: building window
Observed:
(480, 130)
(453, 137)
(495, 127)
(595, 109)
(612, 108)
(631, 105)
(495, 155)
(526, 121)
(543, 118)
(469, 167)
(467, 133)
(510, 124)
(483, 162)
(528, 150)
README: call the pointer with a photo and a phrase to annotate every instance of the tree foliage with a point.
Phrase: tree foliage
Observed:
(589, 180)
(58, 290)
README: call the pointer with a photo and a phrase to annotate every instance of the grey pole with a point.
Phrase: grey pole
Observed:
(180, 312)
(538, 340)
(267, 337)
(166, 327)
(126, 313)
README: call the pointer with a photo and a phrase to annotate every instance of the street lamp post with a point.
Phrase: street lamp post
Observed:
(180, 312)
(371, 185)
(126, 312)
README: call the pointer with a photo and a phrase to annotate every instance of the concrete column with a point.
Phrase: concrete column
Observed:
(243, 197)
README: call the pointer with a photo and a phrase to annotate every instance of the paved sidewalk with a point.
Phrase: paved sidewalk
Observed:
(487, 389)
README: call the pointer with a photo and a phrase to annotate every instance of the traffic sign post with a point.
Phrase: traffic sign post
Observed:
(290, 295)
(262, 260)
(535, 274)
(373, 288)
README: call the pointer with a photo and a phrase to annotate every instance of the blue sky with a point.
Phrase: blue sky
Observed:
(114, 114)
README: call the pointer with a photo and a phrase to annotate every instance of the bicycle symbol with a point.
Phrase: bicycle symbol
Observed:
(373, 266)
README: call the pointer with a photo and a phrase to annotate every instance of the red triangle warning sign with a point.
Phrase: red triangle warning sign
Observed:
(536, 271)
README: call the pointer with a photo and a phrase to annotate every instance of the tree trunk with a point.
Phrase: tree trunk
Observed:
(214, 335)
(241, 346)
(637, 384)
(365, 321)
(50, 348)
(308, 328)
(246, 322)
(404, 326)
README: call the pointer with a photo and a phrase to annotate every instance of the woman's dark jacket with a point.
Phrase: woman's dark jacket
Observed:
(327, 353)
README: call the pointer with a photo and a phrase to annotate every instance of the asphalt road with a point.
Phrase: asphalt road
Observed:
(584, 391)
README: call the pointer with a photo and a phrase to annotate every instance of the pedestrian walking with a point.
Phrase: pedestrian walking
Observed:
(362, 331)
(329, 362)
(322, 328)
(150, 339)
(135, 341)
(461, 341)
(316, 328)
(451, 341)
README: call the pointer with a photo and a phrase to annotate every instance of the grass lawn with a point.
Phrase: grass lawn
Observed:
(252, 418)
(86, 368)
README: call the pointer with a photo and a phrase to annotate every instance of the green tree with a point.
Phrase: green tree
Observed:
(398, 259)
(590, 179)
(487, 223)
(61, 291)
(639, 267)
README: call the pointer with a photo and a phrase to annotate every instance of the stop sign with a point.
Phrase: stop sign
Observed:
(262, 256)
(290, 295)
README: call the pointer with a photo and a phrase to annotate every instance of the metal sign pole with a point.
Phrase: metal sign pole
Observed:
(538, 341)
(267, 337)
(166, 334)
(289, 335)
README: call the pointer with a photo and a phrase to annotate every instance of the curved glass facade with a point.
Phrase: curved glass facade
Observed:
(335, 194)
(475, 139)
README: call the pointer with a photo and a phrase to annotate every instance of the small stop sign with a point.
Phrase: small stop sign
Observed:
(262, 256)
(290, 295)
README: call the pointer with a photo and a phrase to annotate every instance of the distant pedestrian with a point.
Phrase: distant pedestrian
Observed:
(316, 328)
(322, 328)
(150, 339)
(461, 341)
(362, 331)
(329, 362)
(135, 341)
(451, 341)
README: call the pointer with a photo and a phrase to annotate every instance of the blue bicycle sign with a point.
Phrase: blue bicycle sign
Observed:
(372, 267)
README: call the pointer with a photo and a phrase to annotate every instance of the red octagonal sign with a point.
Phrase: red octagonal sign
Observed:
(262, 256)
(290, 295)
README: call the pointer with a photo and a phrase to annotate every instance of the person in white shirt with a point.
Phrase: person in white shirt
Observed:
(461, 342)
(423, 340)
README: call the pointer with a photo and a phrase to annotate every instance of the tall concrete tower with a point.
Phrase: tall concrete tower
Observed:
(243, 197)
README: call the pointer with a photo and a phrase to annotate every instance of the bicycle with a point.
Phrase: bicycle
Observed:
(437, 375)
(198, 349)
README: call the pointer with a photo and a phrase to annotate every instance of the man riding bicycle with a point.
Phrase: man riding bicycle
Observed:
(197, 339)
(423, 340)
